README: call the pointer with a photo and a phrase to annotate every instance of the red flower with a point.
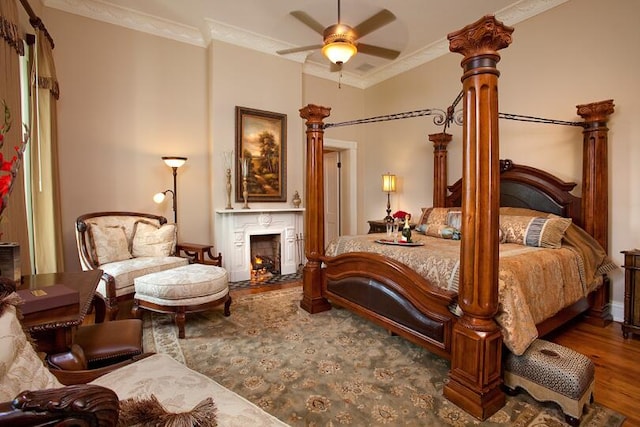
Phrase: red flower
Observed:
(400, 215)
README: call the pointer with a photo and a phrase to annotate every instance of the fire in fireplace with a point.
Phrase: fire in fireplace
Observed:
(265, 256)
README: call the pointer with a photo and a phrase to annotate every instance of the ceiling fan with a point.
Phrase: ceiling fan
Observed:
(340, 40)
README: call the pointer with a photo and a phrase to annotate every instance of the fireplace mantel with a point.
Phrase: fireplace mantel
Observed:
(234, 228)
(254, 211)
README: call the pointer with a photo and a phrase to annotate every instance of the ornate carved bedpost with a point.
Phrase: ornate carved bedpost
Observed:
(440, 142)
(312, 300)
(595, 173)
(595, 188)
(475, 376)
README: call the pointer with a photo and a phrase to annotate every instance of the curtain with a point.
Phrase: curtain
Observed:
(45, 182)
(13, 223)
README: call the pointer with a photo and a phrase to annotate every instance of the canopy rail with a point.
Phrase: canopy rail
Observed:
(451, 115)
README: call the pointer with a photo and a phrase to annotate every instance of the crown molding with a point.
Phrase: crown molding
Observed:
(215, 30)
(129, 18)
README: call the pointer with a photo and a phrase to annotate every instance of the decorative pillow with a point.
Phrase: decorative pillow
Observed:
(108, 243)
(20, 367)
(424, 216)
(435, 215)
(534, 231)
(454, 219)
(153, 241)
(440, 230)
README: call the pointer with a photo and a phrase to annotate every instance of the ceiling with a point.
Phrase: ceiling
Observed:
(419, 31)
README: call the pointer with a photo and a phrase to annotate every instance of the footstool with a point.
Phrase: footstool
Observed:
(187, 289)
(551, 372)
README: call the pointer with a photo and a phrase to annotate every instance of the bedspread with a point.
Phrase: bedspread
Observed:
(534, 283)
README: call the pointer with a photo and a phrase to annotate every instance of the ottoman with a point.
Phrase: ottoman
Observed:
(551, 372)
(187, 289)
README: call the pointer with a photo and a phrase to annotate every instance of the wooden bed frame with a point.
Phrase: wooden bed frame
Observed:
(396, 297)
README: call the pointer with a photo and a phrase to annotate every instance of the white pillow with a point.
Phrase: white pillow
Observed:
(109, 243)
(20, 367)
(152, 241)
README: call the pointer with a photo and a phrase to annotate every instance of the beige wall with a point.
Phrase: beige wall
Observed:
(129, 98)
(246, 78)
(580, 52)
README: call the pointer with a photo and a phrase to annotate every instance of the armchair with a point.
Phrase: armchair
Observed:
(125, 245)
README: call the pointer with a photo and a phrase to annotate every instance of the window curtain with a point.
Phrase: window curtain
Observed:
(45, 183)
(13, 224)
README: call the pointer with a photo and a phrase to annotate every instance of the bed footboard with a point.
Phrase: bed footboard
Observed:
(392, 295)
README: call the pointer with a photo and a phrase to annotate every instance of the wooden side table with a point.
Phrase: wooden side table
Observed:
(53, 329)
(631, 292)
(200, 254)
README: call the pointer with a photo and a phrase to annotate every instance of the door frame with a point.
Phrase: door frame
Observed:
(349, 182)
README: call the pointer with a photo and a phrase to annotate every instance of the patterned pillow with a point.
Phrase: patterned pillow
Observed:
(442, 231)
(152, 241)
(108, 243)
(454, 219)
(534, 231)
(20, 367)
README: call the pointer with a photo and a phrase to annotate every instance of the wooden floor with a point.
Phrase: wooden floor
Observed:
(617, 360)
(617, 364)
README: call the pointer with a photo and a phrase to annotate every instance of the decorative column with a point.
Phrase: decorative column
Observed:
(440, 142)
(595, 190)
(312, 300)
(475, 376)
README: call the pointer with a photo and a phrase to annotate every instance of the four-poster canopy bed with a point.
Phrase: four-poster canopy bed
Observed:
(400, 299)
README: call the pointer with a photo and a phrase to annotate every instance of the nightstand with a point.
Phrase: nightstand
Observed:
(380, 226)
(200, 254)
(631, 292)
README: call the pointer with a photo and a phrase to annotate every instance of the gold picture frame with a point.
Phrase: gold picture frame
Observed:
(261, 155)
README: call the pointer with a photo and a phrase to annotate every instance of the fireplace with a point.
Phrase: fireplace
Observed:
(265, 256)
(275, 232)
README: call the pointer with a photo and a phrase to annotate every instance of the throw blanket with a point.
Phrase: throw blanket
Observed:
(534, 283)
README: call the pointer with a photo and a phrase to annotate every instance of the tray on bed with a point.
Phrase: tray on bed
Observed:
(398, 243)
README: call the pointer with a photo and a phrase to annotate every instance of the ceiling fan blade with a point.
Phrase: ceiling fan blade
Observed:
(308, 21)
(298, 49)
(381, 52)
(378, 20)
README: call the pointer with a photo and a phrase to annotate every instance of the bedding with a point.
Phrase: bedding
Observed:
(534, 283)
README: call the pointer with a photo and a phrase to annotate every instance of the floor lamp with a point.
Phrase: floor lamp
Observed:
(389, 186)
(174, 163)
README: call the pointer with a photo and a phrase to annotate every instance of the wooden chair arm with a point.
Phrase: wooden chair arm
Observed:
(78, 405)
(88, 375)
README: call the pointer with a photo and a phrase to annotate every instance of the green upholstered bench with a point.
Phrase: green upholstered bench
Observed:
(551, 372)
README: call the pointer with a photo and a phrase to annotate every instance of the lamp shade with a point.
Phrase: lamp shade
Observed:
(339, 52)
(388, 183)
(158, 197)
(174, 162)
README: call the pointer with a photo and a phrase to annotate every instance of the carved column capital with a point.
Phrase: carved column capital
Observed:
(484, 37)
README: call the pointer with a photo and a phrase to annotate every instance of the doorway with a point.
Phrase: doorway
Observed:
(340, 183)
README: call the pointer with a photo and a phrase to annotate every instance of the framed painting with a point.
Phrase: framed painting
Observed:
(261, 155)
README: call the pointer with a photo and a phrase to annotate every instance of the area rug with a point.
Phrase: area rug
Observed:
(332, 368)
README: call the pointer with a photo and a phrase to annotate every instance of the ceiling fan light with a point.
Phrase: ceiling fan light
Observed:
(339, 52)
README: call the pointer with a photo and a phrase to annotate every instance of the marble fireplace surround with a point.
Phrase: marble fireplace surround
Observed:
(234, 228)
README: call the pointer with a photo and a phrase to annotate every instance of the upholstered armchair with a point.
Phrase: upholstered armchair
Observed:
(125, 245)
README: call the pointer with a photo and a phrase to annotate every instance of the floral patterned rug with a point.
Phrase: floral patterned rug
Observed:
(332, 368)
